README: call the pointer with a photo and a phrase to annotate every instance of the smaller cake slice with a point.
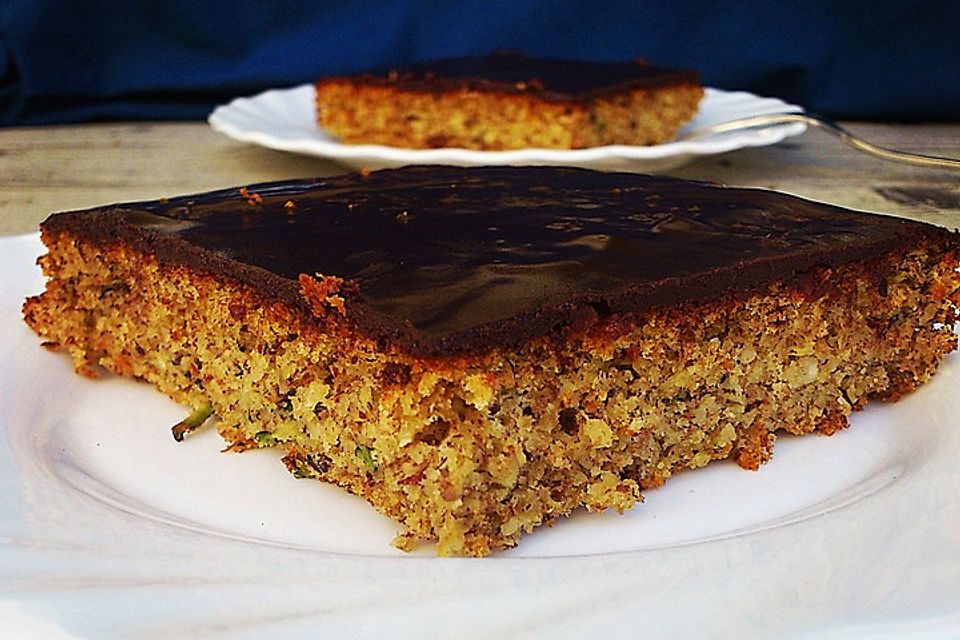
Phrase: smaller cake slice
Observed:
(510, 101)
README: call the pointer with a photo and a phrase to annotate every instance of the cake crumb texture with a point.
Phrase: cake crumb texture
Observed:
(361, 114)
(474, 450)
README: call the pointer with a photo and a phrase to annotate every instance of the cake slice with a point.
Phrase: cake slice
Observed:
(477, 352)
(510, 101)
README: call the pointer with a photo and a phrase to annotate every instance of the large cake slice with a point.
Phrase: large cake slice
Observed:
(509, 101)
(477, 352)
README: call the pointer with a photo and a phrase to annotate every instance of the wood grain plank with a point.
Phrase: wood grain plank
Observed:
(45, 169)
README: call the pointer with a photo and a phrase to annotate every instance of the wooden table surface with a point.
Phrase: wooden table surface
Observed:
(46, 169)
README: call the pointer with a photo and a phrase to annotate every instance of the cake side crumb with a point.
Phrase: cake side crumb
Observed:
(475, 451)
(491, 121)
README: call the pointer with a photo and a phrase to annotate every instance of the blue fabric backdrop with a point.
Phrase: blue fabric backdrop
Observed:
(67, 61)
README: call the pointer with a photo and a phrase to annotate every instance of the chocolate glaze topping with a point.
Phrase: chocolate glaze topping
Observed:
(517, 73)
(448, 260)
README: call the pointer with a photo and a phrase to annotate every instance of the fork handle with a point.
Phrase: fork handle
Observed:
(884, 153)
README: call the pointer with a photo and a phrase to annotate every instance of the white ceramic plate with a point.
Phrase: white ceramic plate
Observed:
(110, 529)
(284, 119)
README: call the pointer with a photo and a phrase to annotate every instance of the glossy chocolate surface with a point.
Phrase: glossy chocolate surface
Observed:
(449, 259)
(566, 79)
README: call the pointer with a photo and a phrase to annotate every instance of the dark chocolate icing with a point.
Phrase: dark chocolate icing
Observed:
(514, 72)
(450, 260)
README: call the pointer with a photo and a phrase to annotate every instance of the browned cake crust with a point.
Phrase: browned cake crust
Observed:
(473, 443)
(507, 101)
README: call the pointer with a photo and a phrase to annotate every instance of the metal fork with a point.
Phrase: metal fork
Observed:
(769, 120)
